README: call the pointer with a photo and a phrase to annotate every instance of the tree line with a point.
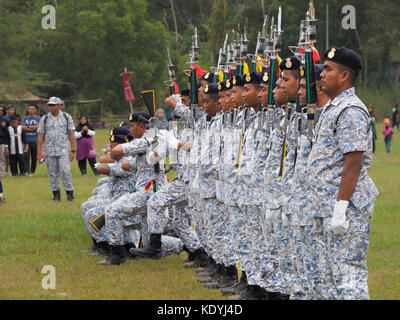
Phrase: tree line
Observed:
(95, 40)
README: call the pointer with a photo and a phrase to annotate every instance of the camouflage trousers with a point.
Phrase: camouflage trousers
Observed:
(195, 209)
(348, 255)
(278, 280)
(211, 222)
(238, 246)
(287, 259)
(223, 235)
(59, 167)
(127, 205)
(300, 245)
(174, 193)
(130, 224)
(94, 202)
(102, 181)
(255, 264)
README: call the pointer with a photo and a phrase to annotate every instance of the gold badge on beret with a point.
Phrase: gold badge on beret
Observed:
(207, 75)
(301, 71)
(228, 84)
(206, 89)
(331, 53)
(219, 86)
(126, 139)
(234, 80)
(112, 138)
(288, 63)
(130, 117)
(265, 77)
(248, 77)
(111, 132)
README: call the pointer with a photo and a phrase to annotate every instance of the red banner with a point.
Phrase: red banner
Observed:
(129, 96)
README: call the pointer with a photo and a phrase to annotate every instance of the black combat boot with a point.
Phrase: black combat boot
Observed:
(238, 287)
(215, 278)
(229, 277)
(57, 195)
(201, 260)
(118, 256)
(70, 195)
(153, 251)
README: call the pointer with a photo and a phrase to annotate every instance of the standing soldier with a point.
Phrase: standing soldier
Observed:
(56, 132)
(338, 175)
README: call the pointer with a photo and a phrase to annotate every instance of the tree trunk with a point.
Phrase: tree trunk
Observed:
(176, 25)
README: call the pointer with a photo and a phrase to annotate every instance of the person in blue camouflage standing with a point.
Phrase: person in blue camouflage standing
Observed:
(56, 133)
(337, 171)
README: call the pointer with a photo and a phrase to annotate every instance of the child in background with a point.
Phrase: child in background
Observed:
(387, 132)
(16, 147)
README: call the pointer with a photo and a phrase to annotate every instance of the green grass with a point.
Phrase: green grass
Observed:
(35, 232)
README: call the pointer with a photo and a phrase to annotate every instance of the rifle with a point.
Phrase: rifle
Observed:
(171, 75)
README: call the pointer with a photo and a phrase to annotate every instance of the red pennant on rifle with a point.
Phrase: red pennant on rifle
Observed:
(129, 96)
(199, 71)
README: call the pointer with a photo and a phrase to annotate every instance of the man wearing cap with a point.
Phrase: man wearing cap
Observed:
(56, 133)
(338, 175)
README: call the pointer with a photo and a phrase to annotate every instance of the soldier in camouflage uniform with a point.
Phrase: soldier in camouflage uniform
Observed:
(338, 176)
(174, 193)
(302, 221)
(119, 183)
(56, 132)
(147, 180)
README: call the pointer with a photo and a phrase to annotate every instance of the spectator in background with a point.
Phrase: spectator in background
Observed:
(4, 141)
(162, 122)
(30, 124)
(16, 147)
(396, 117)
(10, 111)
(373, 126)
(84, 133)
(2, 112)
(388, 133)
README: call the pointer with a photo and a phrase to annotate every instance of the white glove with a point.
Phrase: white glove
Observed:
(339, 224)
(269, 217)
(172, 141)
(151, 158)
(285, 220)
(162, 135)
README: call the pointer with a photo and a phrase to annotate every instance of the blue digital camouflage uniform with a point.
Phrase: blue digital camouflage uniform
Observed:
(273, 206)
(119, 183)
(253, 195)
(174, 193)
(343, 127)
(56, 148)
(134, 203)
(212, 218)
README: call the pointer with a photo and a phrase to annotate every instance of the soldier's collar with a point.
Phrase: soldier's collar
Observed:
(342, 95)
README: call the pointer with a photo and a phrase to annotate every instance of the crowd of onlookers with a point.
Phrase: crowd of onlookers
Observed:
(19, 139)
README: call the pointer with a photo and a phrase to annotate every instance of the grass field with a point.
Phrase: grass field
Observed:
(35, 232)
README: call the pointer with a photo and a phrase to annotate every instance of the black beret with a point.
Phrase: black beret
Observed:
(253, 78)
(120, 134)
(225, 85)
(291, 63)
(140, 116)
(345, 57)
(211, 88)
(209, 77)
(238, 80)
(185, 92)
(318, 68)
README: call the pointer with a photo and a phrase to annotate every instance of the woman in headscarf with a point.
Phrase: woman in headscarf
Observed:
(85, 149)
(162, 122)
